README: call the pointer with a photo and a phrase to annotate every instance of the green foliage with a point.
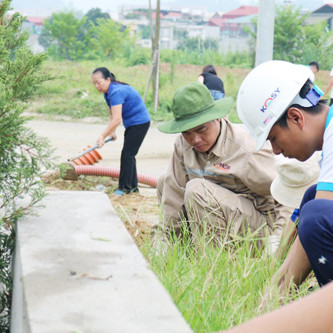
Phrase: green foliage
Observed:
(95, 36)
(93, 15)
(289, 37)
(22, 154)
(73, 94)
(110, 38)
(319, 45)
(139, 56)
(217, 287)
(145, 32)
(297, 41)
(63, 35)
(198, 44)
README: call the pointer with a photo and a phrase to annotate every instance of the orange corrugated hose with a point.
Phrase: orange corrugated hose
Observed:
(96, 170)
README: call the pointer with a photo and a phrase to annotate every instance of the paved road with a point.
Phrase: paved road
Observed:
(70, 138)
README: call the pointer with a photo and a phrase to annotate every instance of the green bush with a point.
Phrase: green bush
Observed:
(23, 155)
(139, 56)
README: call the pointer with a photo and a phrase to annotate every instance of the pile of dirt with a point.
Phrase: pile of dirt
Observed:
(138, 211)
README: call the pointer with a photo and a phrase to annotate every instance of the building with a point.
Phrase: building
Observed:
(235, 27)
(175, 25)
(172, 33)
(237, 22)
(33, 24)
(323, 13)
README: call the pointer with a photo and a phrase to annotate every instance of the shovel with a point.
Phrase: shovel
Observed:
(88, 150)
(67, 170)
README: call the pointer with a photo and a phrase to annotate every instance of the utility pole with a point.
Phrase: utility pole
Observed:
(265, 31)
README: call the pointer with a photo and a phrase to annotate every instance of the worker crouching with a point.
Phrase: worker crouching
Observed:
(216, 180)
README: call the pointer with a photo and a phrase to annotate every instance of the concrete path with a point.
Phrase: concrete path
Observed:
(70, 138)
(78, 270)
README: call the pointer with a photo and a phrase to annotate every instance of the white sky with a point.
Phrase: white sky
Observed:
(108, 5)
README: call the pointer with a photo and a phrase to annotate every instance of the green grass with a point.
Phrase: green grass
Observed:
(72, 94)
(217, 288)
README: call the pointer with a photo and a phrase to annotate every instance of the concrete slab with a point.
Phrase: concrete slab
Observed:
(78, 270)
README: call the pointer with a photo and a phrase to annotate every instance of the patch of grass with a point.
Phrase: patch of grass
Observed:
(216, 288)
(71, 92)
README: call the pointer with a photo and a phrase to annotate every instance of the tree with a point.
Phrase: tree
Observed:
(109, 38)
(297, 41)
(22, 154)
(289, 37)
(63, 35)
(93, 15)
(318, 45)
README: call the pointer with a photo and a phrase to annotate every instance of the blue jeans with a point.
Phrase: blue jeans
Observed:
(316, 234)
(216, 94)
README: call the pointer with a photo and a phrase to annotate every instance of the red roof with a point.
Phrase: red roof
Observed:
(173, 15)
(153, 15)
(217, 21)
(241, 11)
(35, 20)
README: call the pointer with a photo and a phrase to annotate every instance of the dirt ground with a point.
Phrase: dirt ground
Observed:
(138, 211)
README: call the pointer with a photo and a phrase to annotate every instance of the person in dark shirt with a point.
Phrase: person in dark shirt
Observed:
(214, 84)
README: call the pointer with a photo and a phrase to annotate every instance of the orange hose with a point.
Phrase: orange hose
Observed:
(96, 170)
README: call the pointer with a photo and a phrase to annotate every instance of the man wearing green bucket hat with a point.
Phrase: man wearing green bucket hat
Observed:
(216, 180)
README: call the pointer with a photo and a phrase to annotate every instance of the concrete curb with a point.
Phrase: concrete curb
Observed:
(77, 269)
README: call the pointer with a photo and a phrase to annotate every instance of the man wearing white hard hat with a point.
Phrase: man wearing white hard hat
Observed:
(278, 102)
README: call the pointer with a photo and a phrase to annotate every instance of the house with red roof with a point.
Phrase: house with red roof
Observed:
(173, 16)
(241, 11)
(236, 22)
(34, 24)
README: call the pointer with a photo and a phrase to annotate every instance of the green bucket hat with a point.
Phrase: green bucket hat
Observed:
(193, 105)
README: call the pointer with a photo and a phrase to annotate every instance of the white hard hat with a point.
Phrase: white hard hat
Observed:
(266, 93)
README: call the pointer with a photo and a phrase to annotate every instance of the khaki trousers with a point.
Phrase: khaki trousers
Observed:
(219, 213)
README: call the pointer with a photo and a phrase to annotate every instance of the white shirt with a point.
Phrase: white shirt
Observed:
(325, 181)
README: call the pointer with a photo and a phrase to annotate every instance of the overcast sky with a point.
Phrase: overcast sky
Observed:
(111, 5)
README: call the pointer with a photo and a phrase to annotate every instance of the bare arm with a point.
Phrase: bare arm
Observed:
(201, 79)
(324, 195)
(310, 314)
(295, 268)
(287, 239)
(114, 121)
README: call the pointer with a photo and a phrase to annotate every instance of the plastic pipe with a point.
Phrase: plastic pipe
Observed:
(96, 170)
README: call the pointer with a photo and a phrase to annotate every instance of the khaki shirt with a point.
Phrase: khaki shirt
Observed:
(233, 163)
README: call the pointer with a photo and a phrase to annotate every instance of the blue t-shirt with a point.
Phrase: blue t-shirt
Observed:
(134, 111)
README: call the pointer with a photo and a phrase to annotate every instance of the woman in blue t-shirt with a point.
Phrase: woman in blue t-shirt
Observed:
(125, 105)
